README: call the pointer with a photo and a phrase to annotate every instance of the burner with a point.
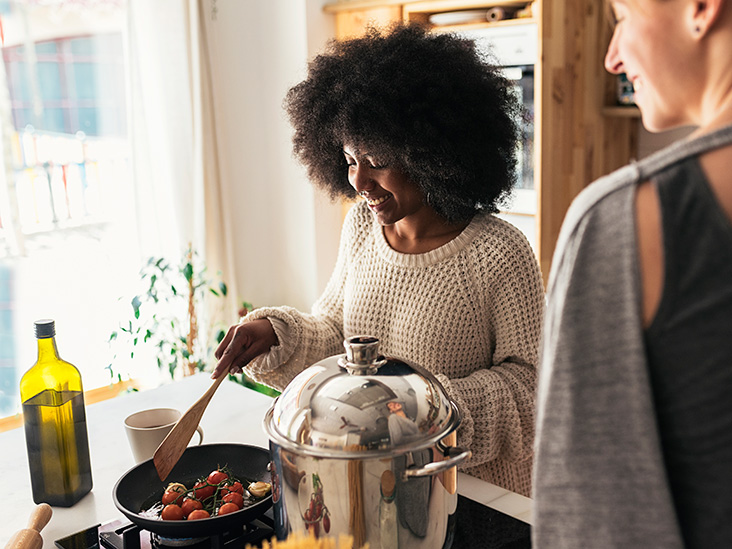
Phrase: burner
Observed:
(160, 541)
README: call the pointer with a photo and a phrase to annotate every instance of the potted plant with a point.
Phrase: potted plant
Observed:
(166, 317)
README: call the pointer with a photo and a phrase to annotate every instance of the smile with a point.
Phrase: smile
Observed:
(377, 201)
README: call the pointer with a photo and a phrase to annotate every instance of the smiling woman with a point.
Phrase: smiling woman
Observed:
(634, 392)
(422, 127)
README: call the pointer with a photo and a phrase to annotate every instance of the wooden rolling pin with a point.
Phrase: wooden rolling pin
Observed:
(30, 538)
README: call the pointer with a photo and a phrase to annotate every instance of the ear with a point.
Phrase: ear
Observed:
(704, 14)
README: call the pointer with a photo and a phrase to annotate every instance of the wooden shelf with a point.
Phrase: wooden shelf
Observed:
(623, 111)
(419, 5)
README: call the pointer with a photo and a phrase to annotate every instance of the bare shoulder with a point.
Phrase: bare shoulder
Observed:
(650, 247)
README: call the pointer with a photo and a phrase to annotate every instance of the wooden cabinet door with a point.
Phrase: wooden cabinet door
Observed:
(354, 23)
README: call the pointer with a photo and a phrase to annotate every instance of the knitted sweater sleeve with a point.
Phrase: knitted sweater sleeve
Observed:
(498, 401)
(306, 338)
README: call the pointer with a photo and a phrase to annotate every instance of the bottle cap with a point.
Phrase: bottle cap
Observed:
(45, 328)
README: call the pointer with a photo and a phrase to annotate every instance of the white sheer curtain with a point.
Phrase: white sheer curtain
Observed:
(173, 135)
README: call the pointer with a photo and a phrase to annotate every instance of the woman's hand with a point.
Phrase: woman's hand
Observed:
(243, 343)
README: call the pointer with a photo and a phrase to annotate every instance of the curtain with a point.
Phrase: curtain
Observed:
(176, 165)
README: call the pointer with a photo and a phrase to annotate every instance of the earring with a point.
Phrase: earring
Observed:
(697, 30)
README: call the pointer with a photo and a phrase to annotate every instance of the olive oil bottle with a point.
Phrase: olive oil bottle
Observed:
(55, 425)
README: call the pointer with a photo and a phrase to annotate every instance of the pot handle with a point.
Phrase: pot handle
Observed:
(455, 456)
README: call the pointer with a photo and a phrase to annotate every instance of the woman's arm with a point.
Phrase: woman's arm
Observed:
(498, 401)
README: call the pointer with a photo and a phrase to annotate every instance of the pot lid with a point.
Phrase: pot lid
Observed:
(361, 402)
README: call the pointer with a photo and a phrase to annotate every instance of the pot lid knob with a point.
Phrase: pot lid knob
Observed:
(362, 355)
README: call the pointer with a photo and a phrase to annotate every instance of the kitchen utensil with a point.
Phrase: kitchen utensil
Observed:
(147, 429)
(341, 424)
(140, 487)
(173, 446)
(30, 537)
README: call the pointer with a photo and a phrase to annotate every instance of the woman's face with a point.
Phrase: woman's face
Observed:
(653, 45)
(388, 191)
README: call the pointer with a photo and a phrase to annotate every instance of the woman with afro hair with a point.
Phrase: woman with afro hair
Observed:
(423, 128)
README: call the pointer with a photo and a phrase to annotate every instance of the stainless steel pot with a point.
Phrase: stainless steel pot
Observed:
(363, 445)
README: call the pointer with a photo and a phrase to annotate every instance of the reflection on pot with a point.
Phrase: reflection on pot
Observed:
(313, 510)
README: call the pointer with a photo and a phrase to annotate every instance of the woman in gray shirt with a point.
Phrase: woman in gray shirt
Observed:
(634, 438)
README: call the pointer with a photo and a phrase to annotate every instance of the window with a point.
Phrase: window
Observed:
(79, 82)
(68, 240)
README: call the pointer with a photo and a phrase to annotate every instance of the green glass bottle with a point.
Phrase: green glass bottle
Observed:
(55, 425)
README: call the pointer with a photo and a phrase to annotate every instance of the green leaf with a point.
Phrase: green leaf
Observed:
(136, 306)
(220, 336)
(148, 335)
(214, 292)
(113, 336)
(188, 271)
(223, 288)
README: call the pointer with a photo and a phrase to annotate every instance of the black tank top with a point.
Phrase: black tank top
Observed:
(690, 355)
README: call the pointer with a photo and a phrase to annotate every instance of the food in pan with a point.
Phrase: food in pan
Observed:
(219, 493)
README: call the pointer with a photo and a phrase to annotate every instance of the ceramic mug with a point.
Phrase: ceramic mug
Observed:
(146, 429)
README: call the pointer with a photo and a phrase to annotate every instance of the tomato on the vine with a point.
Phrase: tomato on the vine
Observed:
(217, 477)
(233, 497)
(198, 514)
(189, 505)
(227, 508)
(172, 512)
(173, 494)
(235, 487)
(203, 490)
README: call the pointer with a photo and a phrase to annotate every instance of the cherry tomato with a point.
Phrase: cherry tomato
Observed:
(217, 477)
(173, 494)
(227, 508)
(236, 499)
(198, 514)
(235, 487)
(172, 512)
(203, 490)
(189, 505)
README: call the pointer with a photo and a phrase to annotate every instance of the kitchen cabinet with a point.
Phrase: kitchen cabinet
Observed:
(578, 137)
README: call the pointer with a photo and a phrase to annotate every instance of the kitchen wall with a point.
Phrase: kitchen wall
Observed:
(287, 231)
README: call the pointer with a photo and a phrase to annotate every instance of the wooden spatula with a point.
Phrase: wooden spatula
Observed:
(30, 538)
(173, 446)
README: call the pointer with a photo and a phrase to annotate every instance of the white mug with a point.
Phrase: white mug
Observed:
(146, 429)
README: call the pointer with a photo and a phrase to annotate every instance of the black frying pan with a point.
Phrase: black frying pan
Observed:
(140, 488)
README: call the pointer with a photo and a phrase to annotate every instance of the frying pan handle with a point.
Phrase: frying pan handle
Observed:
(454, 457)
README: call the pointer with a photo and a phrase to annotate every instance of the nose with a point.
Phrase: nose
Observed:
(360, 178)
(613, 63)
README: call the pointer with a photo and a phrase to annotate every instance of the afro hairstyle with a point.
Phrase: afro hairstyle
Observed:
(427, 103)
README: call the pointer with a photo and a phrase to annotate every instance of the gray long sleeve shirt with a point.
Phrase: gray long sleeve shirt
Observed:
(600, 479)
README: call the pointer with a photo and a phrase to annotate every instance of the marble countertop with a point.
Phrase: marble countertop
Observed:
(235, 414)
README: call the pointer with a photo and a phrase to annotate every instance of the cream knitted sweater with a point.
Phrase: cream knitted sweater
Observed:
(470, 312)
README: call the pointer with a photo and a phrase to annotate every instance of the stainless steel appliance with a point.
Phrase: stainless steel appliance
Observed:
(515, 47)
(363, 445)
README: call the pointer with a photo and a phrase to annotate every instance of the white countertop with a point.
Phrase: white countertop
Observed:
(234, 414)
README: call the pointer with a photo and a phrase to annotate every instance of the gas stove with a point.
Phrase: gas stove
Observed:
(476, 525)
(123, 534)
